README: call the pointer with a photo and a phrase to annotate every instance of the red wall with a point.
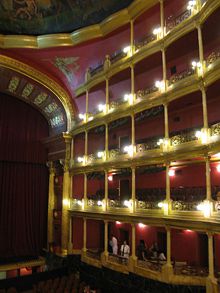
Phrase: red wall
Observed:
(115, 133)
(79, 145)
(78, 186)
(215, 175)
(115, 230)
(193, 175)
(94, 234)
(150, 127)
(81, 104)
(148, 78)
(155, 180)
(185, 246)
(96, 98)
(213, 106)
(96, 142)
(77, 233)
(146, 23)
(148, 234)
(94, 185)
(173, 8)
(217, 251)
(119, 89)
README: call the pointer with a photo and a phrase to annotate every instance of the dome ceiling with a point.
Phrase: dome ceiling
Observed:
(39, 17)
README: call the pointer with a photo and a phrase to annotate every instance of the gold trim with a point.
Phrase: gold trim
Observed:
(43, 79)
(110, 24)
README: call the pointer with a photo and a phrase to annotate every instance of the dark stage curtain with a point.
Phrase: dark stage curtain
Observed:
(23, 179)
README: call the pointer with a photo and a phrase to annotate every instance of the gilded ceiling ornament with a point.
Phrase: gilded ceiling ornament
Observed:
(40, 98)
(50, 108)
(13, 84)
(28, 89)
(57, 120)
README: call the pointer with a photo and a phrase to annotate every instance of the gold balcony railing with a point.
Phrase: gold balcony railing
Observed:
(148, 205)
(213, 57)
(117, 259)
(114, 153)
(98, 68)
(149, 145)
(172, 23)
(153, 265)
(186, 270)
(185, 135)
(93, 253)
(113, 203)
(94, 203)
(116, 56)
(215, 129)
(142, 94)
(145, 41)
(185, 206)
(182, 75)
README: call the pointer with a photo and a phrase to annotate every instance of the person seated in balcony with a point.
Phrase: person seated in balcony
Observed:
(154, 250)
(114, 244)
(142, 250)
(125, 250)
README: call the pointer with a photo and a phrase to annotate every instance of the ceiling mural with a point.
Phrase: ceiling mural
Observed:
(38, 17)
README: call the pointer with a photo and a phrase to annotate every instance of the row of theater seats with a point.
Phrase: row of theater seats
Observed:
(65, 284)
(189, 194)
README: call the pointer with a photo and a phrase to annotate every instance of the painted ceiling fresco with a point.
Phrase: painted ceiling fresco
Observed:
(38, 17)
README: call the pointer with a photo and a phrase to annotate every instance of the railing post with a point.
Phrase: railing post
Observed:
(106, 190)
(85, 190)
(70, 243)
(107, 95)
(106, 142)
(84, 235)
(51, 199)
(211, 281)
(167, 269)
(133, 189)
(162, 21)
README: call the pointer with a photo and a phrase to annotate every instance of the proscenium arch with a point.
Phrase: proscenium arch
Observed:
(45, 81)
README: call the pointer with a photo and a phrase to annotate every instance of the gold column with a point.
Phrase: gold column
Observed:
(168, 246)
(132, 130)
(106, 239)
(204, 108)
(107, 94)
(86, 145)
(84, 235)
(162, 17)
(106, 189)
(210, 255)
(208, 179)
(167, 183)
(166, 121)
(133, 188)
(164, 68)
(132, 36)
(87, 105)
(201, 52)
(132, 81)
(51, 198)
(66, 194)
(70, 243)
(133, 242)
(85, 189)
(106, 142)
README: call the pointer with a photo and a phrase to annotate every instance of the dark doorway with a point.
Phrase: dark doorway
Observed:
(124, 236)
(124, 141)
(162, 241)
(203, 250)
(124, 189)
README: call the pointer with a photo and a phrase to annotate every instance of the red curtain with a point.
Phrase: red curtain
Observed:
(23, 179)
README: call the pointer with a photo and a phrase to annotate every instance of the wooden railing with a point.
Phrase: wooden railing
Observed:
(179, 76)
(145, 41)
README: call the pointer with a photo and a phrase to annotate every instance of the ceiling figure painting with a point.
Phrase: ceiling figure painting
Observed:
(68, 66)
(38, 17)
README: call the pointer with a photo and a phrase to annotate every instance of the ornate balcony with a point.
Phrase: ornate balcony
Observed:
(182, 75)
(93, 253)
(153, 265)
(148, 205)
(215, 129)
(118, 259)
(93, 203)
(171, 24)
(143, 94)
(114, 203)
(116, 56)
(183, 269)
(114, 153)
(185, 206)
(98, 68)
(183, 136)
(76, 204)
(144, 41)
(151, 144)
(212, 57)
